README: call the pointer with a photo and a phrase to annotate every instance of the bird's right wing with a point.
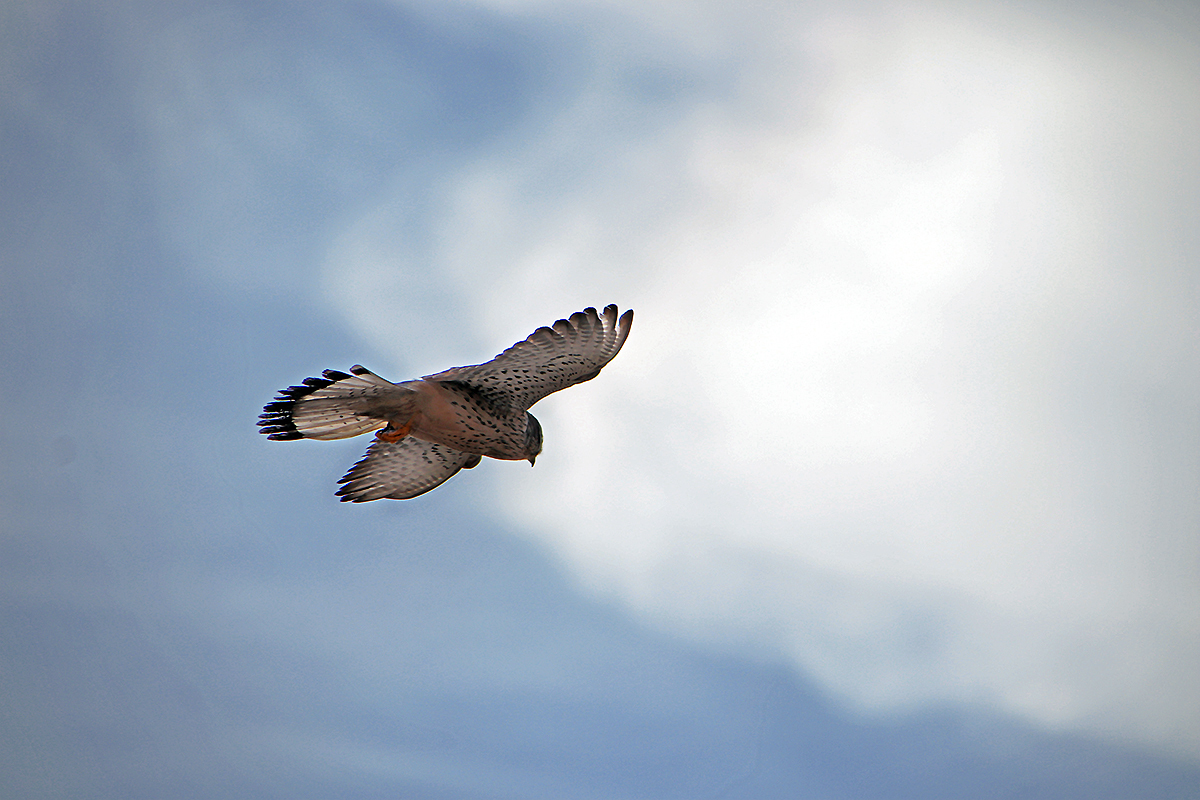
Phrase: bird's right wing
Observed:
(402, 469)
(571, 351)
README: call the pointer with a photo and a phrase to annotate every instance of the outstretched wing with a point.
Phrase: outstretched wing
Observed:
(569, 352)
(335, 406)
(401, 470)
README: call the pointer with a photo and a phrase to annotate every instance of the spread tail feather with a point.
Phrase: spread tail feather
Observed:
(335, 406)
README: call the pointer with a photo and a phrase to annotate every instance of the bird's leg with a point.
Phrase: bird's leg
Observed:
(391, 434)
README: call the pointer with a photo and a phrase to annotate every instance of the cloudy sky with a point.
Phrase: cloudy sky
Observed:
(894, 491)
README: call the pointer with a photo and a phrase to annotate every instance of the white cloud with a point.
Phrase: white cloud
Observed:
(892, 404)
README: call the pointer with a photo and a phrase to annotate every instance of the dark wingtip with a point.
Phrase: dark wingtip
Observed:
(347, 495)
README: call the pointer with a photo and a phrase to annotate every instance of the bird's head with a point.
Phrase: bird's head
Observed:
(533, 437)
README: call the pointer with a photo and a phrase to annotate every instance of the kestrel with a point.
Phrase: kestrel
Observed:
(430, 428)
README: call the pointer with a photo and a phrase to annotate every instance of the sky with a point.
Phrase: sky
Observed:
(893, 492)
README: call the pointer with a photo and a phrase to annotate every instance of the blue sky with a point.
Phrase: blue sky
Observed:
(893, 491)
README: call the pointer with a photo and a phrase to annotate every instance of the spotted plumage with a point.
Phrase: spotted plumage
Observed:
(430, 428)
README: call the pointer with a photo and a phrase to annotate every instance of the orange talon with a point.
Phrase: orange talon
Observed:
(392, 435)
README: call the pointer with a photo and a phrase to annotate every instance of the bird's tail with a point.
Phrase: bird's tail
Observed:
(335, 406)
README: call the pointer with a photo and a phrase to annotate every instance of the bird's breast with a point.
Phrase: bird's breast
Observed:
(453, 417)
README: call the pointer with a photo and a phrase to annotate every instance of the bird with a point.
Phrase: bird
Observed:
(430, 428)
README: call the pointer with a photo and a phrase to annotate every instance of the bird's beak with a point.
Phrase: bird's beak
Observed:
(531, 458)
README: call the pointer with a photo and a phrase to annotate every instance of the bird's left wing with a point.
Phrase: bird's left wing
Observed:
(403, 469)
(571, 351)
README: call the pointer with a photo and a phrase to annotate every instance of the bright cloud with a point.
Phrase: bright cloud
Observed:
(898, 401)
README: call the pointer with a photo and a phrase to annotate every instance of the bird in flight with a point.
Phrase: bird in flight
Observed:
(430, 428)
